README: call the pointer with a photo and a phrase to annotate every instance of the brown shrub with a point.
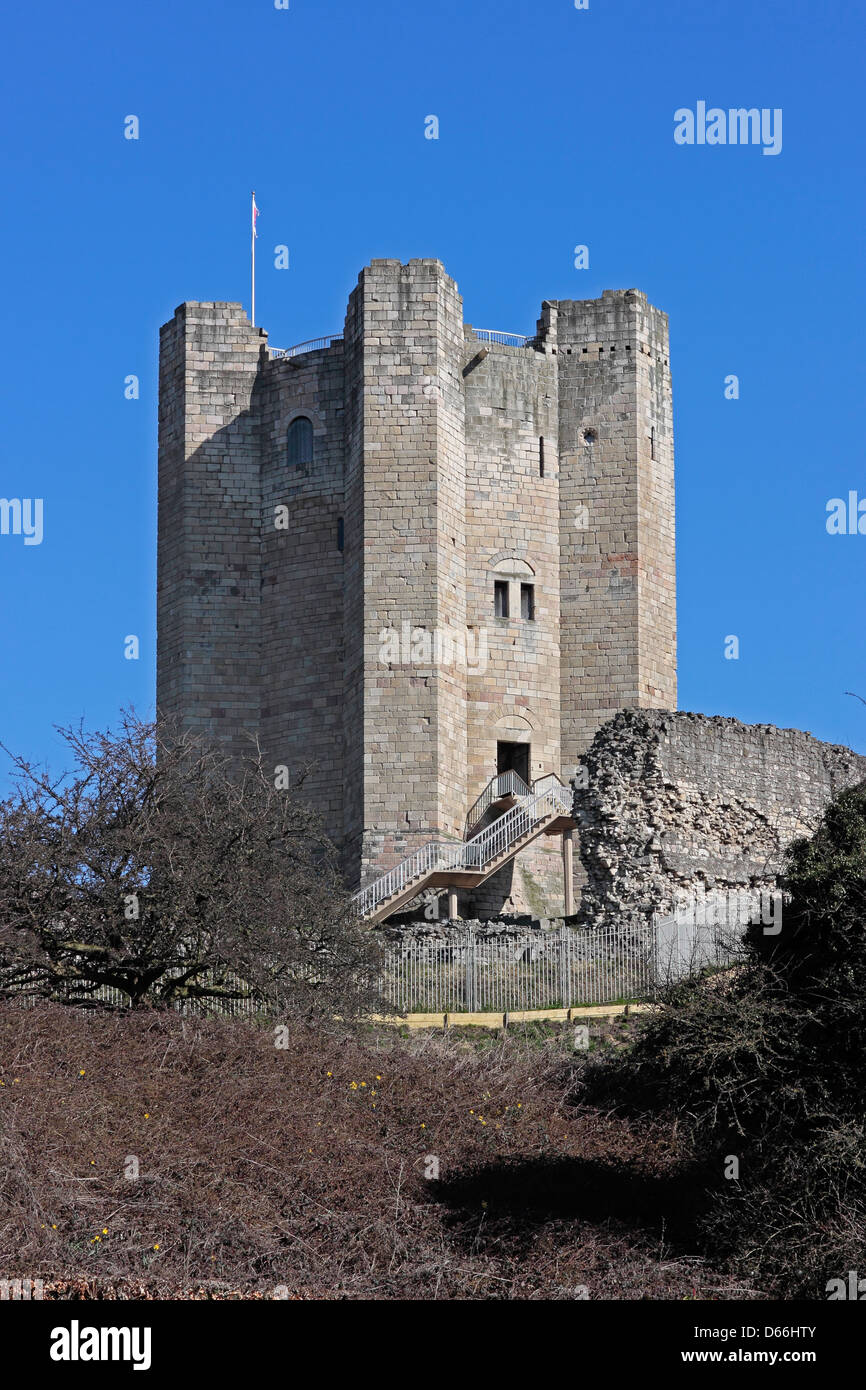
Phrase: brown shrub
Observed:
(302, 1169)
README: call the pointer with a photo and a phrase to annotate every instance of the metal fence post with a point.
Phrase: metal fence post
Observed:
(563, 987)
(469, 972)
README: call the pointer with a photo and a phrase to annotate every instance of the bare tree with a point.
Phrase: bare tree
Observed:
(162, 868)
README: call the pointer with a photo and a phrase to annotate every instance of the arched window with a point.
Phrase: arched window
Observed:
(299, 443)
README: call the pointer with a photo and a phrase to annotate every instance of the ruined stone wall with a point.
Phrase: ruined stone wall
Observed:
(678, 804)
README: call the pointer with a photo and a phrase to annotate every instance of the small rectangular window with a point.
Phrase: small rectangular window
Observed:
(541, 456)
(527, 601)
(500, 598)
(653, 442)
(340, 533)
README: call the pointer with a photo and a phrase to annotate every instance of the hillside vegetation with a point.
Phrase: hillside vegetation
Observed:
(304, 1168)
(764, 1074)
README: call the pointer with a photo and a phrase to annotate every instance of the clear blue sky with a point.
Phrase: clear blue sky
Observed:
(556, 129)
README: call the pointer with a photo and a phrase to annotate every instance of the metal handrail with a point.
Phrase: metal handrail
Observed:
(436, 854)
(477, 854)
(311, 345)
(493, 335)
(484, 335)
(504, 784)
(554, 785)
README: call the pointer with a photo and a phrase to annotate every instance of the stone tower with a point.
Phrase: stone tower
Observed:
(411, 556)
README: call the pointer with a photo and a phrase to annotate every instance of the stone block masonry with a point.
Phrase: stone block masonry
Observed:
(518, 498)
(209, 521)
(679, 806)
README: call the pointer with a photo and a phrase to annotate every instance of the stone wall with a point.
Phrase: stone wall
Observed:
(302, 583)
(512, 521)
(616, 498)
(442, 463)
(407, 334)
(210, 522)
(681, 804)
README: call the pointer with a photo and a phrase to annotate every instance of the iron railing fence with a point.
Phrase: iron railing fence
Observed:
(78, 993)
(535, 970)
(565, 967)
(464, 970)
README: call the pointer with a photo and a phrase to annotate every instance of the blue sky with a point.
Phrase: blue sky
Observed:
(556, 129)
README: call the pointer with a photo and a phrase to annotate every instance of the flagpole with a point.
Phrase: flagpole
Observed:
(253, 257)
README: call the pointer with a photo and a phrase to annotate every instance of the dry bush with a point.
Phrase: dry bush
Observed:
(302, 1169)
(162, 868)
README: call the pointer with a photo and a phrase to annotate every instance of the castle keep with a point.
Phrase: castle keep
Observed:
(418, 558)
